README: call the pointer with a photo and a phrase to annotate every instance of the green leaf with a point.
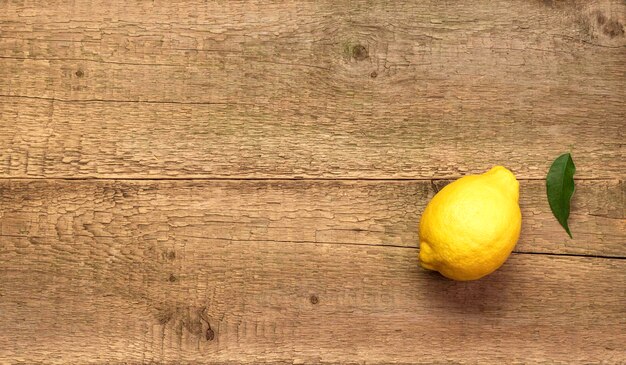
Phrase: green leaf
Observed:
(560, 188)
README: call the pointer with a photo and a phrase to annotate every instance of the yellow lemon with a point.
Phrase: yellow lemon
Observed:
(471, 226)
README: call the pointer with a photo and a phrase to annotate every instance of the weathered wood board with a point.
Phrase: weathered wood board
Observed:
(241, 182)
(311, 89)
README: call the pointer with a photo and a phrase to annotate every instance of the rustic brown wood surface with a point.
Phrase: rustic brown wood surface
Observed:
(320, 89)
(241, 182)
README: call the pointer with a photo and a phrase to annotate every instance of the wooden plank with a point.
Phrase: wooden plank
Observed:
(292, 271)
(310, 89)
(97, 299)
(331, 212)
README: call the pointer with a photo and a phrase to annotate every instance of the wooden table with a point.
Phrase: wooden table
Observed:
(241, 182)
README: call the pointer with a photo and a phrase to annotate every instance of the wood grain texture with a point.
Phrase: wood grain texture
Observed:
(152, 301)
(291, 271)
(330, 212)
(318, 131)
(311, 89)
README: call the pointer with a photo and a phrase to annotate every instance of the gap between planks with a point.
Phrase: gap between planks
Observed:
(416, 248)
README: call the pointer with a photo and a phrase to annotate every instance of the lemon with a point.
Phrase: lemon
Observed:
(471, 226)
